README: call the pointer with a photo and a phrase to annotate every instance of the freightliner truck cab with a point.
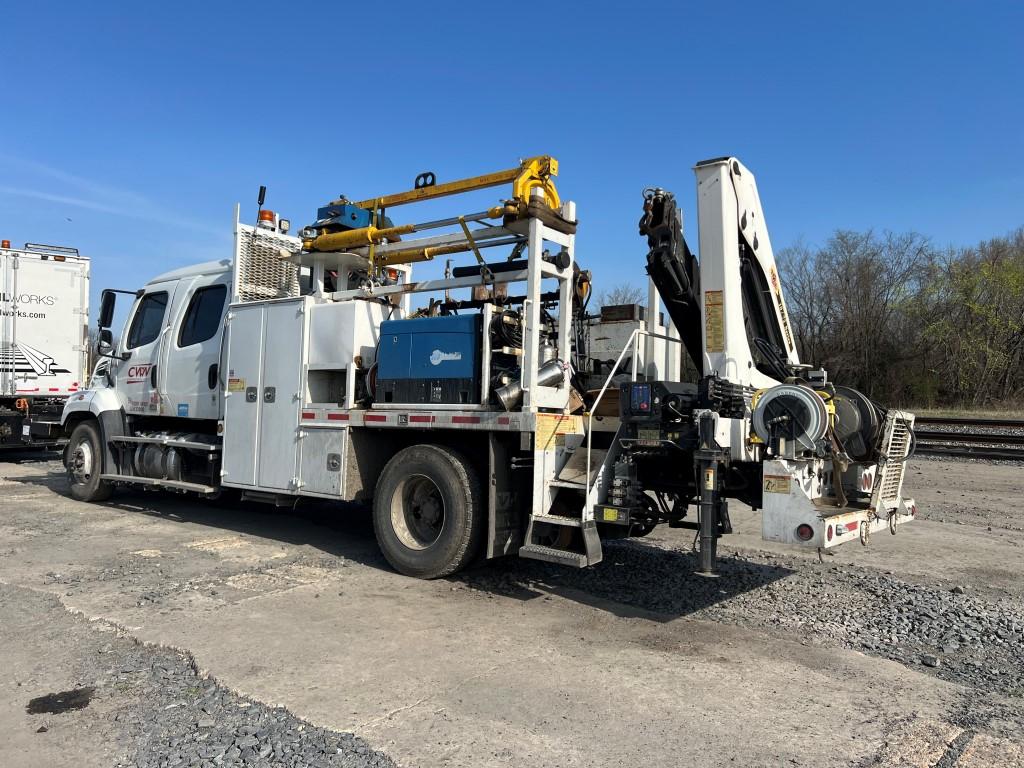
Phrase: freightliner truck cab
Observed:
(163, 375)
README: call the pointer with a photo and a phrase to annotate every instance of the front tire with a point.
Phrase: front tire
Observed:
(85, 463)
(428, 511)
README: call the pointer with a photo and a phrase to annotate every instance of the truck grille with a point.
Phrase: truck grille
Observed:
(259, 271)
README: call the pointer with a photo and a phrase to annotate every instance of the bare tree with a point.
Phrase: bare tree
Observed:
(853, 309)
(624, 293)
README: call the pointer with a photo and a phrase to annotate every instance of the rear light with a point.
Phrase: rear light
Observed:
(828, 533)
(5, 243)
(913, 510)
(60, 258)
(804, 532)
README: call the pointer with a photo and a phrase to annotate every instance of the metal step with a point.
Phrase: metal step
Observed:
(177, 485)
(571, 522)
(573, 474)
(169, 442)
(568, 484)
(552, 555)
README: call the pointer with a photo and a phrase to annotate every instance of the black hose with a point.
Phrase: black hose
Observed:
(773, 359)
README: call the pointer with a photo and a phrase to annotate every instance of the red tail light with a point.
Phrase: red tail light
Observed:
(804, 532)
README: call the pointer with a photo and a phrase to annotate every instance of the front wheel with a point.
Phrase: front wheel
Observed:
(428, 512)
(85, 463)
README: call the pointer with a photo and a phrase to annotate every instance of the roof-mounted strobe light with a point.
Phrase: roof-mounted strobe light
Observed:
(6, 244)
(267, 220)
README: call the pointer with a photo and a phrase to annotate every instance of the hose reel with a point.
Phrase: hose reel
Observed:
(793, 413)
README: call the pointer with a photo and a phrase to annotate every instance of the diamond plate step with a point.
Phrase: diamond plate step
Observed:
(552, 555)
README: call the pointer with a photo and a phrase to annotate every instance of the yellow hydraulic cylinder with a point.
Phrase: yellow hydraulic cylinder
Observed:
(411, 255)
(535, 172)
(355, 238)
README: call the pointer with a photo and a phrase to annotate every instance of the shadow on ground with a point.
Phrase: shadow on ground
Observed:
(634, 579)
(27, 455)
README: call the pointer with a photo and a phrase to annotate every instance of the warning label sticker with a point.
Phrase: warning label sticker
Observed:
(236, 385)
(551, 426)
(714, 321)
(776, 483)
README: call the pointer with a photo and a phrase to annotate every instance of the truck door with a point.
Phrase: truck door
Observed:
(191, 379)
(136, 375)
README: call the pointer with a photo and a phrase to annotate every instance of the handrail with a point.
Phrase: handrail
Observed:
(633, 339)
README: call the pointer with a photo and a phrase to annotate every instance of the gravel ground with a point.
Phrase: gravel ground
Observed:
(947, 632)
(942, 631)
(185, 720)
(207, 578)
(166, 714)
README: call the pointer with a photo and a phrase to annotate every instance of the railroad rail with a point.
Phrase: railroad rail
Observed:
(968, 421)
(978, 438)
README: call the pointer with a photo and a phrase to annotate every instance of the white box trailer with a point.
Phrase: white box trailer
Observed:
(44, 325)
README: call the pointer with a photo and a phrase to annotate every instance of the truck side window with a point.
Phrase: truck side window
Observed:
(202, 318)
(148, 319)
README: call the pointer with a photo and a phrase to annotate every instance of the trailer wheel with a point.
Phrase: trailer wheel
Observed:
(85, 462)
(427, 511)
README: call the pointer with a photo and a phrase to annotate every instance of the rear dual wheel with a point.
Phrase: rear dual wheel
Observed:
(428, 511)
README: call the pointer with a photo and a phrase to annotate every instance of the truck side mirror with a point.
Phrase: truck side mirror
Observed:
(105, 344)
(107, 299)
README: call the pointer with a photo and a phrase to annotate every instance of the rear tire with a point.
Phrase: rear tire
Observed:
(85, 463)
(428, 513)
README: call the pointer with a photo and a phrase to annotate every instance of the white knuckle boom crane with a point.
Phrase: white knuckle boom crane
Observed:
(482, 423)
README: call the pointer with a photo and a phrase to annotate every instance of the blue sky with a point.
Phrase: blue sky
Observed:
(130, 130)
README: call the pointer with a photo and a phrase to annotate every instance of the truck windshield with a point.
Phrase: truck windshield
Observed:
(148, 319)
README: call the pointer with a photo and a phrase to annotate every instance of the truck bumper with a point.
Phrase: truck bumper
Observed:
(806, 524)
(19, 431)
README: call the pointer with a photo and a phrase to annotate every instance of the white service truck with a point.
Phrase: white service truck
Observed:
(44, 327)
(475, 424)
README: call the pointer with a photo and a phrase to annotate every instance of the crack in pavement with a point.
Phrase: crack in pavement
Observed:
(446, 692)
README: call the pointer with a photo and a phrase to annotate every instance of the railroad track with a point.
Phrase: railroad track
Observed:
(1001, 439)
(968, 421)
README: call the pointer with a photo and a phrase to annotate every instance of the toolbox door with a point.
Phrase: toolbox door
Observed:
(242, 394)
(280, 395)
